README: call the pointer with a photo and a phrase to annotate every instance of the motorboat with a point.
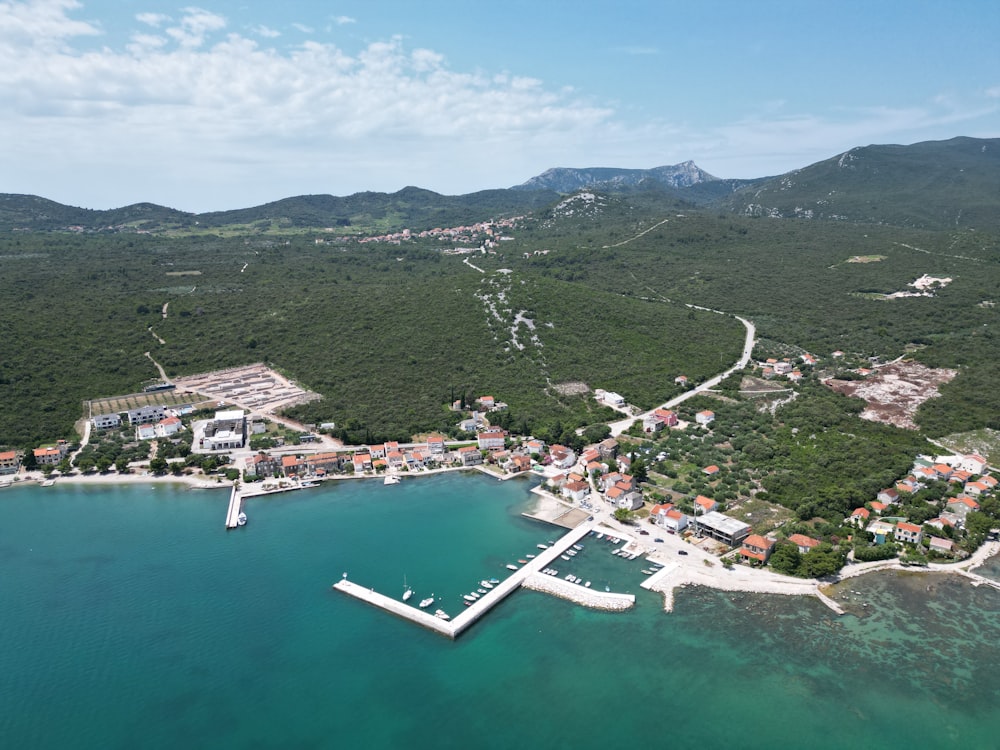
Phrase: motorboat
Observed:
(511, 566)
(407, 591)
(485, 584)
(469, 598)
(441, 614)
(390, 479)
(241, 519)
(424, 603)
(542, 546)
(494, 581)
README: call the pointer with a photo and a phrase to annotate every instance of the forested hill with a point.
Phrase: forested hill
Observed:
(952, 184)
(409, 208)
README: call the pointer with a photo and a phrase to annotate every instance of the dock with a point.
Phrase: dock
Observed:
(235, 508)
(457, 625)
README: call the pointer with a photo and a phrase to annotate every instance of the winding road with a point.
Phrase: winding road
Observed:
(617, 428)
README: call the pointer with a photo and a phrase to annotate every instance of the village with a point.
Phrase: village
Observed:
(609, 479)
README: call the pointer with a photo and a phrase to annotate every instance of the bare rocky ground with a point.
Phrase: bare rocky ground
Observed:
(894, 392)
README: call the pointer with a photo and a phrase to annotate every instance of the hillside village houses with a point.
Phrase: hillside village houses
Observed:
(10, 462)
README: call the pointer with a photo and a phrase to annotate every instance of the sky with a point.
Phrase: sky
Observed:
(232, 103)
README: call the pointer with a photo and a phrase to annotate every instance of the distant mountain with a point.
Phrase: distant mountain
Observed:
(930, 185)
(566, 180)
(411, 207)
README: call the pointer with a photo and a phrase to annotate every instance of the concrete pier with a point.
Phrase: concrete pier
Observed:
(235, 508)
(471, 614)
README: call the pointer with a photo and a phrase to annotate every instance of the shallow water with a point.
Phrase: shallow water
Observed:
(131, 618)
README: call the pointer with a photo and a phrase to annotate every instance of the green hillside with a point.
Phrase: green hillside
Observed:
(952, 184)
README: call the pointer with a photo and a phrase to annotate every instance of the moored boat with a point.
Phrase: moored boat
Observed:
(441, 614)
(424, 603)
(542, 546)
(469, 598)
(511, 566)
(241, 519)
(485, 584)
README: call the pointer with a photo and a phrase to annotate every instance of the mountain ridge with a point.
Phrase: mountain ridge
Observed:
(931, 185)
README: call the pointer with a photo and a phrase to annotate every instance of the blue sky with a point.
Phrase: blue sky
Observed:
(231, 103)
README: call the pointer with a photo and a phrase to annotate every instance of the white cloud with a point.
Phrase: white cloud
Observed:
(266, 32)
(303, 28)
(152, 19)
(343, 20)
(196, 24)
(41, 23)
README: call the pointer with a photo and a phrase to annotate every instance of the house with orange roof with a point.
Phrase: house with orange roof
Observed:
(145, 432)
(989, 481)
(943, 471)
(710, 470)
(962, 505)
(487, 402)
(290, 466)
(377, 451)
(976, 488)
(576, 491)
(939, 523)
(323, 463)
(704, 504)
(974, 463)
(668, 417)
(705, 417)
(470, 456)
(435, 445)
(591, 454)
(803, 542)
(859, 516)
(908, 532)
(9, 462)
(756, 548)
(681, 380)
(878, 507)
(395, 459)
(960, 476)
(491, 440)
(362, 462)
(666, 516)
(888, 496)
(596, 467)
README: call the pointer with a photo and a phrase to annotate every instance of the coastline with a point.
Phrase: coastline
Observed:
(684, 564)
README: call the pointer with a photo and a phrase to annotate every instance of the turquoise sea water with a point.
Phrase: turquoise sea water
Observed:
(130, 618)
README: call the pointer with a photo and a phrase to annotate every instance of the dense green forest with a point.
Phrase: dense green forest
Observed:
(588, 291)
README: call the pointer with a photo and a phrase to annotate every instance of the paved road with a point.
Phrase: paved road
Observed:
(617, 428)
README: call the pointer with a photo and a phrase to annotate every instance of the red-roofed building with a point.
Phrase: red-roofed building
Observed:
(757, 548)
(710, 470)
(705, 417)
(362, 462)
(435, 445)
(878, 507)
(803, 542)
(908, 532)
(974, 463)
(962, 505)
(704, 504)
(9, 462)
(859, 516)
(470, 456)
(576, 491)
(491, 440)
(888, 496)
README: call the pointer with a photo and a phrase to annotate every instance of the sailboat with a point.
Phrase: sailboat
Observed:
(407, 591)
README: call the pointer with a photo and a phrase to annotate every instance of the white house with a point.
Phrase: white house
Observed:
(705, 417)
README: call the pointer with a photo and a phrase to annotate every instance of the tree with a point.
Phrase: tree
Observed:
(596, 433)
(624, 515)
(785, 558)
(158, 465)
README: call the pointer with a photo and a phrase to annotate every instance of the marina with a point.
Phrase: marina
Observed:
(479, 604)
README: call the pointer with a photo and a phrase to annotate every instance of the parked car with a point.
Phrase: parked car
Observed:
(658, 540)
(682, 552)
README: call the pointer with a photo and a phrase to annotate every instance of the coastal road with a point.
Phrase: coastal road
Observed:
(617, 428)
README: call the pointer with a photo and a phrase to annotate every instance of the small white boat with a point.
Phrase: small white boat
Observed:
(494, 581)
(305, 485)
(48, 482)
(530, 557)
(485, 584)
(441, 614)
(600, 535)
(542, 546)
(241, 519)
(578, 547)
(480, 591)
(564, 557)
(587, 584)
(469, 597)
(511, 566)
(424, 603)
(407, 591)
(391, 479)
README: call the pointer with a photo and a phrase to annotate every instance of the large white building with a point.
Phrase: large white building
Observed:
(227, 431)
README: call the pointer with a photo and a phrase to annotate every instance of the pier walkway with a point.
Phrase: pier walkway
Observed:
(235, 508)
(458, 624)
